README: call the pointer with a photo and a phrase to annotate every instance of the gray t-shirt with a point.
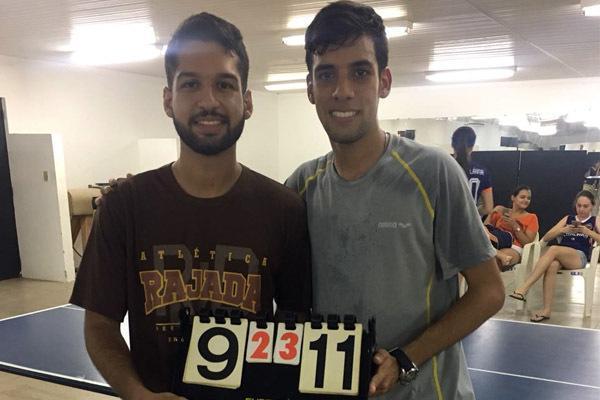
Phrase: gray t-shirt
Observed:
(389, 245)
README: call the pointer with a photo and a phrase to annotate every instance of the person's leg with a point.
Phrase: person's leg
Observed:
(507, 257)
(538, 270)
(548, 291)
(566, 258)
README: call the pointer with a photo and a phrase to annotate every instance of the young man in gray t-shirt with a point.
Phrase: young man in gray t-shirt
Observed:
(391, 222)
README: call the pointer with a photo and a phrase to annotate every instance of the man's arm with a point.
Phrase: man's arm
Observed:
(110, 355)
(484, 297)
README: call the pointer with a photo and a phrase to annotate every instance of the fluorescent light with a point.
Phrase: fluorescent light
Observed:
(401, 28)
(477, 53)
(287, 76)
(455, 63)
(590, 8)
(113, 43)
(294, 40)
(470, 75)
(286, 86)
(592, 11)
(300, 21)
(545, 130)
(529, 123)
(513, 120)
(592, 123)
(589, 117)
(397, 30)
(390, 12)
(576, 116)
(303, 20)
(481, 117)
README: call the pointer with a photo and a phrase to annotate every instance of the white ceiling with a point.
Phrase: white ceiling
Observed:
(548, 38)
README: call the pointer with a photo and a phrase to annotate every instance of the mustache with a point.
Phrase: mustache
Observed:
(208, 113)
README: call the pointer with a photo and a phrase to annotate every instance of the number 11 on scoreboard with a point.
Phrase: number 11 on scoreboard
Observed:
(330, 360)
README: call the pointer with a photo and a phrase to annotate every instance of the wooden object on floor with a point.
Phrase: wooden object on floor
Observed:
(81, 212)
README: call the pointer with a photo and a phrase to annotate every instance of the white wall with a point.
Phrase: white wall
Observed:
(101, 114)
(301, 135)
(154, 153)
(258, 148)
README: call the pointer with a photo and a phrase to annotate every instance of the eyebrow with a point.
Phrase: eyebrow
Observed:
(362, 63)
(185, 74)
(223, 75)
(355, 64)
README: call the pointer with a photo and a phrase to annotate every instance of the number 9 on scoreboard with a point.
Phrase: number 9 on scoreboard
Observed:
(216, 354)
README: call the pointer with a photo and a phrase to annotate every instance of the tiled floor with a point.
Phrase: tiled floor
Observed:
(18, 296)
(567, 307)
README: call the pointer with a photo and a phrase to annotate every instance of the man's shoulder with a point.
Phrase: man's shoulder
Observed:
(143, 183)
(307, 172)
(419, 156)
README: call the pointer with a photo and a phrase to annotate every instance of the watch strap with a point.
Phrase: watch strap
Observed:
(408, 369)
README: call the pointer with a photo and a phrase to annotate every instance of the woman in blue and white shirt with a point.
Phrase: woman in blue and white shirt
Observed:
(576, 234)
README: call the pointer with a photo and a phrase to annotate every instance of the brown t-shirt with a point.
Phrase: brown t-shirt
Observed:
(155, 249)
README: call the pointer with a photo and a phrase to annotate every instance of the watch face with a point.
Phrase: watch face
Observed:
(409, 376)
(408, 370)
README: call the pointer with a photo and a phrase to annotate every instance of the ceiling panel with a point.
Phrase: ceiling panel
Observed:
(548, 38)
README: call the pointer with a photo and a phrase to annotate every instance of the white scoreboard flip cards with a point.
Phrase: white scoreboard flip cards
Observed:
(330, 360)
(327, 360)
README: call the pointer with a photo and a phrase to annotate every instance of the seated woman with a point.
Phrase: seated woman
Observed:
(510, 229)
(577, 234)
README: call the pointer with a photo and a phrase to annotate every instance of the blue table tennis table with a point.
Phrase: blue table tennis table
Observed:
(506, 359)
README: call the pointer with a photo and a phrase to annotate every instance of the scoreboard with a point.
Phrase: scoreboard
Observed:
(226, 356)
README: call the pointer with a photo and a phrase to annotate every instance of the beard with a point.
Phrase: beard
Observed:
(209, 146)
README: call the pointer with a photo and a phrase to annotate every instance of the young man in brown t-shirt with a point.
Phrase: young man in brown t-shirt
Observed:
(203, 232)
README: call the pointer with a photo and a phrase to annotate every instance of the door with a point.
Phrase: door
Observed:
(10, 263)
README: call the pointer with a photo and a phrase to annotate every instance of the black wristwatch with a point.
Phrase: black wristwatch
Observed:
(408, 369)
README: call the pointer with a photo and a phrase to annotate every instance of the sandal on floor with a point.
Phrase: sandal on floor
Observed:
(518, 296)
(539, 318)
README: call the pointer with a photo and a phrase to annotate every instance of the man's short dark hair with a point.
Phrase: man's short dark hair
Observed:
(208, 28)
(343, 22)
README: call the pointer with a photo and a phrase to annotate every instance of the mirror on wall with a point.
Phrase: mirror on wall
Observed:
(532, 131)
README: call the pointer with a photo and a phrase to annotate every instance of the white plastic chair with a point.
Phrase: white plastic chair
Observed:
(589, 277)
(530, 256)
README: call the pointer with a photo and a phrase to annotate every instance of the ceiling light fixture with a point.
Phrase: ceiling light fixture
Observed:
(394, 30)
(300, 21)
(390, 12)
(470, 75)
(590, 8)
(287, 76)
(278, 87)
(113, 43)
(401, 28)
(587, 116)
(294, 40)
(303, 20)
(545, 130)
